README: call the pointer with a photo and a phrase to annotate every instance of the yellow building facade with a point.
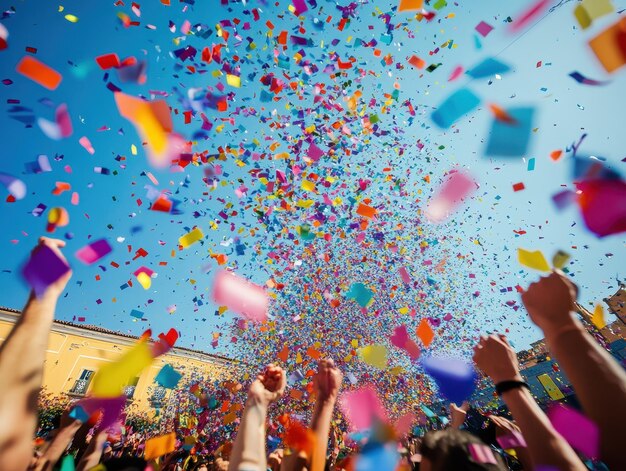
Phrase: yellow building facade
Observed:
(76, 352)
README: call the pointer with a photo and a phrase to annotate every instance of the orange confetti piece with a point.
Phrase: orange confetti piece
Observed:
(408, 5)
(501, 115)
(284, 354)
(39, 72)
(417, 62)
(313, 353)
(425, 333)
(556, 154)
(159, 446)
(610, 46)
(366, 211)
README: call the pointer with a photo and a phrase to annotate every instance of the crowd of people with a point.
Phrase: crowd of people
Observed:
(472, 439)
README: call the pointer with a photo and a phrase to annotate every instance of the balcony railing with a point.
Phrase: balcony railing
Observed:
(129, 391)
(80, 387)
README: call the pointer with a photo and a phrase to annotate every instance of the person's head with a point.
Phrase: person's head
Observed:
(201, 466)
(458, 450)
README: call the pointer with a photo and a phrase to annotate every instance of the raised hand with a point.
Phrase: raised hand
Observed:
(458, 414)
(270, 385)
(497, 359)
(327, 381)
(550, 300)
(503, 426)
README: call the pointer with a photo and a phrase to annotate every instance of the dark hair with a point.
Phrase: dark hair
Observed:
(125, 463)
(450, 449)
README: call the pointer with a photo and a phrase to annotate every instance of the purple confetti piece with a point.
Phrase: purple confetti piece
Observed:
(44, 268)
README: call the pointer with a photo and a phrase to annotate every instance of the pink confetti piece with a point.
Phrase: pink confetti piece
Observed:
(456, 73)
(152, 178)
(86, 143)
(579, 431)
(75, 199)
(483, 28)
(240, 296)
(404, 274)
(63, 120)
(602, 204)
(362, 407)
(314, 152)
(93, 252)
(457, 187)
(512, 440)
(481, 453)
(186, 27)
(528, 16)
(403, 425)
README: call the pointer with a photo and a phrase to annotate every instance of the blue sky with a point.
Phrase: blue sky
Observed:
(483, 228)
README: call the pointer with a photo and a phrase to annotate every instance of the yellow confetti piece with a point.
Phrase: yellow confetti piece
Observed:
(374, 355)
(598, 317)
(112, 378)
(560, 259)
(144, 280)
(191, 238)
(133, 149)
(71, 18)
(308, 185)
(534, 260)
(233, 80)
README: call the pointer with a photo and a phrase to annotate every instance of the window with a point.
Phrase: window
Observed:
(82, 383)
(129, 390)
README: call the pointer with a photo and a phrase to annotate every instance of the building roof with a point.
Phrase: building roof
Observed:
(102, 330)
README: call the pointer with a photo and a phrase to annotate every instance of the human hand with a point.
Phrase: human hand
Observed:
(458, 414)
(327, 381)
(56, 288)
(270, 385)
(550, 300)
(504, 426)
(275, 459)
(496, 358)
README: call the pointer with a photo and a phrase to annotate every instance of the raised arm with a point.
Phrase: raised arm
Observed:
(599, 382)
(327, 382)
(458, 414)
(22, 357)
(64, 436)
(495, 357)
(249, 448)
(93, 453)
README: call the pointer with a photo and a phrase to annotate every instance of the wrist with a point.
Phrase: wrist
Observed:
(258, 402)
(505, 386)
(510, 377)
(328, 401)
(553, 333)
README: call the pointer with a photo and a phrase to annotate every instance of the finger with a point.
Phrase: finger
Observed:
(52, 242)
(504, 339)
(282, 383)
